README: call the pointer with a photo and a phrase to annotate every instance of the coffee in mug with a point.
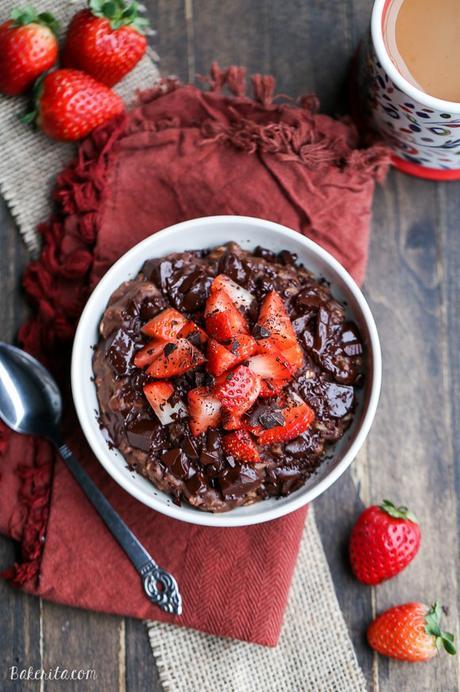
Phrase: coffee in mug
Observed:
(407, 85)
(423, 40)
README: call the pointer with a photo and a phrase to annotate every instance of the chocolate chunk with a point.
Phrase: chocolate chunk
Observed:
(265, 254)
(168, 349)
(120, 352)
(271, 419)
(213, 441)
(290, 478)
(260, 332)
(287, 258)
(177, 462)
(151, 306)
(207, 458)
(196, 484)
(141, 434)
(339, 398)
(234, 346)
(171, 456)
(195, 290)
(188, 446)
(231, 265)
(208, 380)
(238, 482)
(351, 342)
(263, 411)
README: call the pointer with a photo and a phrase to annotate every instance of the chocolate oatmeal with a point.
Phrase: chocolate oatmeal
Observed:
(223, 375)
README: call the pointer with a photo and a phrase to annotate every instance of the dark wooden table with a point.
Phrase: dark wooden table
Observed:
(412, 285)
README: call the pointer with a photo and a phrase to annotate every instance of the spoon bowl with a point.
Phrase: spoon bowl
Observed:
(30, 401)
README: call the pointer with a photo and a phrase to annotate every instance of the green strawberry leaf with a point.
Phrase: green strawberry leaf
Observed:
(24, 16)
(119, 14)
(401, 512)
(443, 640)
(47, 19)
(28, 118)
(29, 15)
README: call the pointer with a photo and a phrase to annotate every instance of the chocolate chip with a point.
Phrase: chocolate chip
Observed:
(260, 332)
(120, 352)
(169, 348)
(189, 448)
(140, 434)
(287, 258)
(196, 485)
(177, 462)
(208, 380)
(271, 419)
(213, 441)
(238, 482)
(171, 456)
(235, 346)
(207, 458)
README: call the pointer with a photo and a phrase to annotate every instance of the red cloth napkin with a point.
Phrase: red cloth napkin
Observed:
(180, 153)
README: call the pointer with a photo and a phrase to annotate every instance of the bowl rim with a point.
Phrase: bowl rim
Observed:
(98, 444)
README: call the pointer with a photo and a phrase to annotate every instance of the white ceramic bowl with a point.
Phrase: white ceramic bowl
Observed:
(204, 233)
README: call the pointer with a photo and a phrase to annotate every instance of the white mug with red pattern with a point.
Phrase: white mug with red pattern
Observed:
(422, 131)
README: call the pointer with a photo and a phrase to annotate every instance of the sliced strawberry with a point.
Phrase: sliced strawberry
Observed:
(243, 346)
(238, 389)
(177, 357)
(272, 388)
(223, 319)
(239, 445)
(298, 417)
(219, 358)
(147, 354)
(158, 395)
(239, 295)
(294, 356)
(204, 410)
(231, 421)
(273, 317)
(190, 329)
(166, 325)
(270, 366)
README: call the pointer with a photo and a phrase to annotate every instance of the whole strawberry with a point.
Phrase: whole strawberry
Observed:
(383, 542)
(106, 40)
(410, 632)
(69, 104)
(28, 47)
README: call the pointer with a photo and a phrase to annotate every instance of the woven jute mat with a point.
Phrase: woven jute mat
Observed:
(315, 652)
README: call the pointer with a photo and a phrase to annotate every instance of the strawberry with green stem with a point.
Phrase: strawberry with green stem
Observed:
(69, 104)
(28, 47)
(106, 40)
(384, 540)
(410, 632)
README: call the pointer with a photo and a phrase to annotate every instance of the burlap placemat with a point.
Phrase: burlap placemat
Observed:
(315, 652)
(29, 161)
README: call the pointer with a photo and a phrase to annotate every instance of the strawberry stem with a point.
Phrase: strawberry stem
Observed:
(401, 512)
(29, 15)
(444, 640)
(119, 14)
(30, 118)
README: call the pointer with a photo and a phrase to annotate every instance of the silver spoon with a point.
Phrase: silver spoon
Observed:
(30, 403)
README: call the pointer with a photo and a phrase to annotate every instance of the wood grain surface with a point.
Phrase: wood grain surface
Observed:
(412, 285)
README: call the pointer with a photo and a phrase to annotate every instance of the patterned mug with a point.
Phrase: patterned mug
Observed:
(423, 132)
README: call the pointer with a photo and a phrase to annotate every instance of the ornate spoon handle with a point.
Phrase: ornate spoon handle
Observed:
(160, 586)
